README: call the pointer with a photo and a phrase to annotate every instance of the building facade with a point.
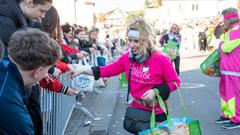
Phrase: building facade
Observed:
(80, 12)
(180, 11)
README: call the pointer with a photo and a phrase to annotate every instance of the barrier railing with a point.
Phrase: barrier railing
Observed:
(56, 110)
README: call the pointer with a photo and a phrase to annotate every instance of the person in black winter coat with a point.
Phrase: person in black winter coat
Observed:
(82, 44)
(16, 14)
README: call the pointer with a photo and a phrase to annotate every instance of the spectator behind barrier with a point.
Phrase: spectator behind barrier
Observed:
(15, 14)
(28, 62)
(83, 45)
(68, 33)
(50, 24)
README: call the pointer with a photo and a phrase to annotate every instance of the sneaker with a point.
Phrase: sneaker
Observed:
(231, 125)
(222, 120)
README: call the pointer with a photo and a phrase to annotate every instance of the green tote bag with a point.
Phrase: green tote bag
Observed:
(173, 126)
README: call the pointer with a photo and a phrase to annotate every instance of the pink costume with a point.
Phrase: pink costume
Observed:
(156, 70)
(230, 73)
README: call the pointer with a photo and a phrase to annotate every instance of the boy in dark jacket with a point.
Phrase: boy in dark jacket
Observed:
(18, 75)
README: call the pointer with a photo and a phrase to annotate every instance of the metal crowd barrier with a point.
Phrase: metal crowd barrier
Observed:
(56, 110)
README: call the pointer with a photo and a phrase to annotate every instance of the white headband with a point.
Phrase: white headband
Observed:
(134, 34)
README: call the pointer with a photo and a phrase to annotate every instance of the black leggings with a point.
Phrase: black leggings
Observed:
(177, 64)
(161, 117)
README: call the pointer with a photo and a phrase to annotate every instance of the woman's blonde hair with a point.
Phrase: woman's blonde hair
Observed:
(146, 34)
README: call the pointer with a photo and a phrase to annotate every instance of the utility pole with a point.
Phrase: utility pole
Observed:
(92, 2)
(75, 10)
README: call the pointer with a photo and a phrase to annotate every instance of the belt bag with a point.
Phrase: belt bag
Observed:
(136, 120)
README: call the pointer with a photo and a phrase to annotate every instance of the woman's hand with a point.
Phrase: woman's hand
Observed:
(149, 95)
(75, 72)
(73, 69)
(79, 69)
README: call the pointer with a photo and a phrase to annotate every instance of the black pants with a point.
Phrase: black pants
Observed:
(203, 45)
(177, 64)
(161, 117)
(34, 110)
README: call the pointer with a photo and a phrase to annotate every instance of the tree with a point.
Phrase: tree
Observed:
(133, 14)
(153, 3)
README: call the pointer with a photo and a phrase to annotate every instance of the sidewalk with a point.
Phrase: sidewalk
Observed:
(192, 53)
(100, 105)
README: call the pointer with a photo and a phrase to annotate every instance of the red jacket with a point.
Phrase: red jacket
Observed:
(62, 66)
(52, 84)
(70, 50)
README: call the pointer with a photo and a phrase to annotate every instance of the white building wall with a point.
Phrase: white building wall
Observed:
(178, 11)
(185, 9)
(172, 10)
(67, 11)
(84, 14)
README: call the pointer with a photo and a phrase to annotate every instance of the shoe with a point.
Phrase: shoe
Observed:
(231, 125)
(222, 120)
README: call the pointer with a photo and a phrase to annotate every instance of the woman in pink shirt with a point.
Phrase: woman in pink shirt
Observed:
(150, 71)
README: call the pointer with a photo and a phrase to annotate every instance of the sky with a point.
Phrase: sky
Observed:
(102, 6)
